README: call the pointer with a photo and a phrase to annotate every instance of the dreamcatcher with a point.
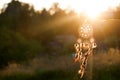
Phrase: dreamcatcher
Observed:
(84, 46)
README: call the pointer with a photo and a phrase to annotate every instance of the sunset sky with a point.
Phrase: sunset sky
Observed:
(91, 7)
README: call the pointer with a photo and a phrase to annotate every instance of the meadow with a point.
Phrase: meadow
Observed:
(101, 66)
(38, 45)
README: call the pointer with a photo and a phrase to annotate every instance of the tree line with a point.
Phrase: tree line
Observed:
(26, 33)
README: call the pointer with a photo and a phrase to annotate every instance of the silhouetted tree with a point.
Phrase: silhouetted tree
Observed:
(22, 30)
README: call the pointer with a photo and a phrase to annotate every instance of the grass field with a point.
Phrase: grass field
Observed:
(101, 66)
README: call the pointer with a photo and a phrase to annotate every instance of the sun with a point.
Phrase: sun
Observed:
(93, 8)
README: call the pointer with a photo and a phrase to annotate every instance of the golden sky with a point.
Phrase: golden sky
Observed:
(91, 7)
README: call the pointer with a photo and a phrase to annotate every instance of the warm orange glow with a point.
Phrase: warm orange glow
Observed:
(91, 7)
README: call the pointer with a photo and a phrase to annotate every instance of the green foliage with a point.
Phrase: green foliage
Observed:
(102, 66)
(22, 30)
(15, 48)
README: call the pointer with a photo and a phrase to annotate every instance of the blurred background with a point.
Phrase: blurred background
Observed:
(38, 43)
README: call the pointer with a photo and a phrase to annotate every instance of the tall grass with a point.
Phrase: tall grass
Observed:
(101, 66)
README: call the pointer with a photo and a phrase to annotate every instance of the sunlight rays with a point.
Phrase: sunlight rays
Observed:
(91, 7)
